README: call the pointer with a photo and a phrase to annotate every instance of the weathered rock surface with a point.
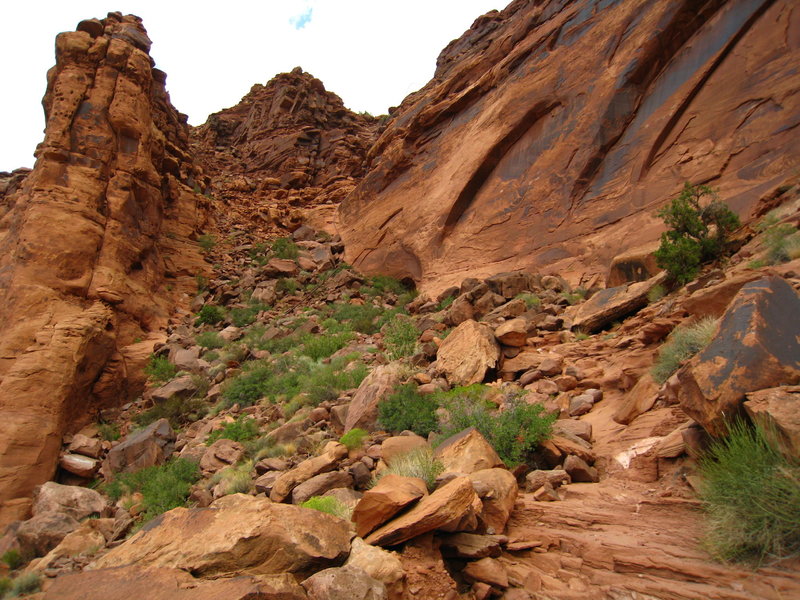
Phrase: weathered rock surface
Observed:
(756, 347)
(40, 534)
(468, 353)
(511, 164)
(778, 410)
(157, 583)
(113, 172)
(467, 452)
(307, 469)
(240, 534)
(379, 564)
(612, 304)
(147, 447)
(380, 503)
(497, 489)
(344, 583)
(78, 502)
(447, 504)
(363, 409)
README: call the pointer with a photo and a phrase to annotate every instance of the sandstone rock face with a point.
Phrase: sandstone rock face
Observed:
(756, 347)
(124, 583)
(113, 173)
(778, 410)
(244, 535)
(551, 130)
(468, 353)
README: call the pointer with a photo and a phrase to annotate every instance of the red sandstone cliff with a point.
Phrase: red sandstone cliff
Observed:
(95, 246)
(552, 130)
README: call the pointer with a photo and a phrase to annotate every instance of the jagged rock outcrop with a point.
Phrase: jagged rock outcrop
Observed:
(287, 144)
(552, 130)
(95, 246)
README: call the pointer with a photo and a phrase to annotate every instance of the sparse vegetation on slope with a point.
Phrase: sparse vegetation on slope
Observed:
(682, 344)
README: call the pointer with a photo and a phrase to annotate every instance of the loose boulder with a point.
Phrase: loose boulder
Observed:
(467, 354)
(344, 583)
(757, 346)
(78, 502)
(150, 446)
(467, 452)
(379, 504)
(363, 409)
(778, 411)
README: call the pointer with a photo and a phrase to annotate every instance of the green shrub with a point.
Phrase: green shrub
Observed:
(384, 284)
(656, 293)
(531, 300)
(241, 430)
(682, 344)
(288, 285)
(163, 487)
(108, 431)
(202, 283)
(445, 303)
(576, 296)
(177, 411)
(419, 462)
(400, 337)
(752, 496)
(5, 586)
(13, 558)
(361, 317)
(210, 315)
(696, 233)
(407, 409)
(354, 438)
(210, 340)
(319, 346)
(159, 370)
(782, 242)
(206, 241)
(234, 479)
(328, 504)
(285, 248)
(513, 432)
(25, 584)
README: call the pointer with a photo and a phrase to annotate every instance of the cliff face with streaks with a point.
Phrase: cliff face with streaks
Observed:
(552, 130)
(95, 247)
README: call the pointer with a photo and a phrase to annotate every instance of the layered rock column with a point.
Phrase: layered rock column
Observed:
(95, 246)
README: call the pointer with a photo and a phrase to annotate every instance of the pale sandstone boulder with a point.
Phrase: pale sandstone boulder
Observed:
(78, 502)
(611, 304)
(77, 464)
(379, 564)
(388, 497)
(466, 452)
(468, 353)
(362, 411)
(85, 445)
(344, 583)
(400, 444)
(85, 540)
(756, 347)
(43, 532)
(497, 490)
(447, 504)
(238, 534)
(319, 484)
(512, 333)
(181, 387)
(288, 480)
(778, 410)
(222, 453)
(150, 446)
(158, 583)
(471, 545)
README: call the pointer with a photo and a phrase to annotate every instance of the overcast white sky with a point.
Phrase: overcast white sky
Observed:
(372, 53)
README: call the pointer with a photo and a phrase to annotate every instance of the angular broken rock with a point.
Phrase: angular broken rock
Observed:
(85, 445)
(344, 583)
(447, 504)
(512, 333)
(362, 411)
(777, 410)
(150, 446)
(78, 502)
(243, 534)
(319, 484)
(379, 504)
(580, 471)
(379, 564)
(472, 545)
(400, 444)
(488, 570)
(331, 455)
(180, 387)
(536, 479)
(612, 304)
(637, 401)
(40, 534)
(124, 583)
(497, 489)
(77, 464)
(220, 454)
(467, 354)
(467, 452)
(756, 347)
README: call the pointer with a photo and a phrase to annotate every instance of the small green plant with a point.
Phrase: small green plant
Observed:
(656, 293)
(202, 283)
(159, 370)
(319, 346)
(163, 487)
(576, 296)
(513, 432)
(696, 233)
(241, 430)
(234, 479)
(5, 586)
(407, 409)
(210, 340)
(288, 285)
(530, 300)
(419, 462)
(354, 438)
(25, 584)
(210, 315)
(581, 335)
(177, 411)
(242, 317)
(285, 248)
(400, 337)
(751, 493)
(206, 241)
(782, 242)
(108, 431)
(383, 284)
(12, 558)
(328, 504)
(682, 344)
(445, 303)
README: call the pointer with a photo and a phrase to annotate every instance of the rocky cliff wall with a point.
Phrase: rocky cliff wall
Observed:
(95, 246)
(552, 131)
